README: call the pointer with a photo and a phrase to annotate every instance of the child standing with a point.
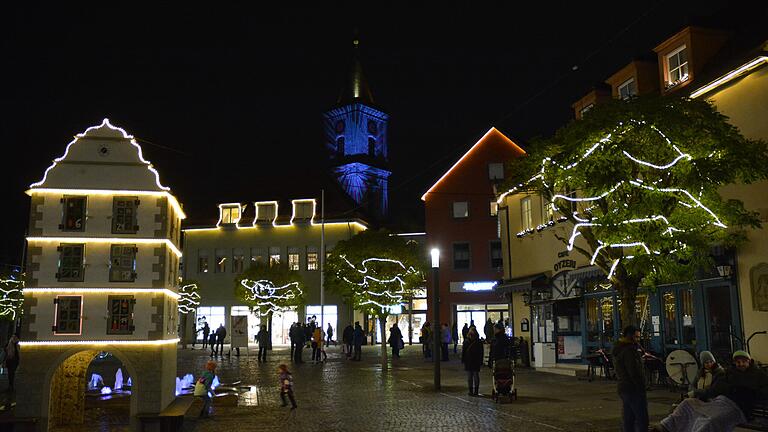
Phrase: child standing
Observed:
(286, 385)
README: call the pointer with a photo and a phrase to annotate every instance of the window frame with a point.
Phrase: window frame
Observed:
(494, 208)
(229, 219)
(220, 265)
(62, 249)
(133, 252)
(203, 259)
(132, 226)
(274, 258)
(453, 209)
(469, 256)
(526, 214)
(492, 165)
(293, 253)
(131, 300)
(238, 261)
(626, 85)
(491, 245)
(313, 259)
(59, 312)
(65, 212)
(668, 70)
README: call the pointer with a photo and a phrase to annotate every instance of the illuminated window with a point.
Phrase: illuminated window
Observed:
(71, 258)
(202, 262)
(677, 65)
(230, 214)
(122, 267)
(293, 259)
(238, 261)
(68, 313)
(213, 315)
(221, 261)
(494, 208)
(585, 109)
(547, 212)
(496, 171)
(461, 256)
(73, 213)
(460, 209)
(312, 258)
(627, 89)
(496, 260)
(124, 215)
(257, 256)
(526, 213)
(274, 255)
(120, 319)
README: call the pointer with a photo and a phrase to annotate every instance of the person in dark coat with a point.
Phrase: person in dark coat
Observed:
(488, 330)
(221, 333)
(299, 339)
(395, 340)
(472, 357)
(292, 337)
(500, 345)
(464, 331)
(357, 339)
(212, 343)
(455, 336)
(347, 337)
(630, 374)
(12, 360)
(445, 340)
(206, 331)
(263, 338)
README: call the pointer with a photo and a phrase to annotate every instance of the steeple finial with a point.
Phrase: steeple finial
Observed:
(356, 89)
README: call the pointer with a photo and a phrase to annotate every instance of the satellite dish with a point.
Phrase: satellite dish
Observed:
(679, 362)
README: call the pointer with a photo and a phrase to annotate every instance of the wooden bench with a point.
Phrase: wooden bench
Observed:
(170, 419)
(758, 418)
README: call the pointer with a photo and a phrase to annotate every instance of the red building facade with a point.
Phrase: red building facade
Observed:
(461, 220)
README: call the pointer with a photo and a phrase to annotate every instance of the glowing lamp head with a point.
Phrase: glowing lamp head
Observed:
(435, 253)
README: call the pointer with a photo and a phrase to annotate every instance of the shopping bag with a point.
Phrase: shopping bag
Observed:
(200, 389)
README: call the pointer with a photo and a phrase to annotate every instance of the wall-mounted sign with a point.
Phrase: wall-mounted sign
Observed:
(563, 263)
(472, 286)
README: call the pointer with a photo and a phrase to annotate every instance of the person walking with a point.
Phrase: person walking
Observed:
(395, 340)
(628, 365)
(286, 386)
(317, 342)
(488, 330)
(472, 357)
(455, 336)
(329, 335)
(263, 338)
(347, 337)
(445, 340)
(464, 331)
(299, 343)
(292, 337)
(12, 360)
(206, 331)
(426, 340)
(221, 333)
(205, 393)
(212, 343)
(357, 339)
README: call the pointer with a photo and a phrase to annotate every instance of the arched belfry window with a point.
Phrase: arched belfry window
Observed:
(371, 146)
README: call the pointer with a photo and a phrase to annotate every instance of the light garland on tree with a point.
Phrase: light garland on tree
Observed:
(189, 299)
(395, 296)
(687, 199)
(265, 294)
(11, 299)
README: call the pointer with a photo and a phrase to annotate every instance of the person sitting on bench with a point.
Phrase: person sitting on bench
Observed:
(731, 399)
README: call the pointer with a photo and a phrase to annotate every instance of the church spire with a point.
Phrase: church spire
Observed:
(356, 88)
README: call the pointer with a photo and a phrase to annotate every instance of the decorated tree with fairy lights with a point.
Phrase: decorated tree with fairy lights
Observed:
(375, 271)
(638, 184)
(269, 289)
(11, 296)
(189, 300)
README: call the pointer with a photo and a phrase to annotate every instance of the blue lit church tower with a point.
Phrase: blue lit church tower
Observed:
(356, 137)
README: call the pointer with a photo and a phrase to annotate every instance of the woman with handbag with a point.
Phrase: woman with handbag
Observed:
(203, 387)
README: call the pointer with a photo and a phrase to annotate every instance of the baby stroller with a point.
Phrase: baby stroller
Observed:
(503, 380)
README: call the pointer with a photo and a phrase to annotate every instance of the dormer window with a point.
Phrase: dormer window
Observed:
(303, 210)
(676, 65)
(627, 89)
(229, 214)
(266, 212)
(585, 109)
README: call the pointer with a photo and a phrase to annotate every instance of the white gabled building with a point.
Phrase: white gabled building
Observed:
(102, 270)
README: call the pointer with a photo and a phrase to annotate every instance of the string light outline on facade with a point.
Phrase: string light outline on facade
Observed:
(9, 304)
(106, 123)
(164, 291)
(303, 200)
(62, 191)
(729, 76)
(101, 342)
(118, 240)
(230, 205)
(267, 300)
(256, 217)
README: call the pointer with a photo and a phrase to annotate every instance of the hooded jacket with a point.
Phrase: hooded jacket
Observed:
(743, 387)
(628, 363)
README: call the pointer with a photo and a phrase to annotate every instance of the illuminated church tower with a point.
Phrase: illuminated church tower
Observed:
(356, 136)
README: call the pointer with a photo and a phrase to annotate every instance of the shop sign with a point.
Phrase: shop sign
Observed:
(563, 263)
(473, 286)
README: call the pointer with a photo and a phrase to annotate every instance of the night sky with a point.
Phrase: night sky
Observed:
(226, 100)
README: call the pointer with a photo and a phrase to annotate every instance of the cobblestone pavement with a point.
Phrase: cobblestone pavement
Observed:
(340, 395)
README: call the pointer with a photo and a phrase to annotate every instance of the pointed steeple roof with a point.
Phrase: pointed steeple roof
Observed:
(356, 88)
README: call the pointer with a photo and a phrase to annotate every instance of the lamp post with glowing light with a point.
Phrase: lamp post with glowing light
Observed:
(435, 252)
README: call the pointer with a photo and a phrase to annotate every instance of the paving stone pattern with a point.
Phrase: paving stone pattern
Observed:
(341, 395)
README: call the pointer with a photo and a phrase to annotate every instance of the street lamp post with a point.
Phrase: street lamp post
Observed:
(436, 314)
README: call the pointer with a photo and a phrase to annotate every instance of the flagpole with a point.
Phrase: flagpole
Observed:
(322, 261)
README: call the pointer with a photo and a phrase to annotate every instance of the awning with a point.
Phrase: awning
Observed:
(523, 284)
(588, 272)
